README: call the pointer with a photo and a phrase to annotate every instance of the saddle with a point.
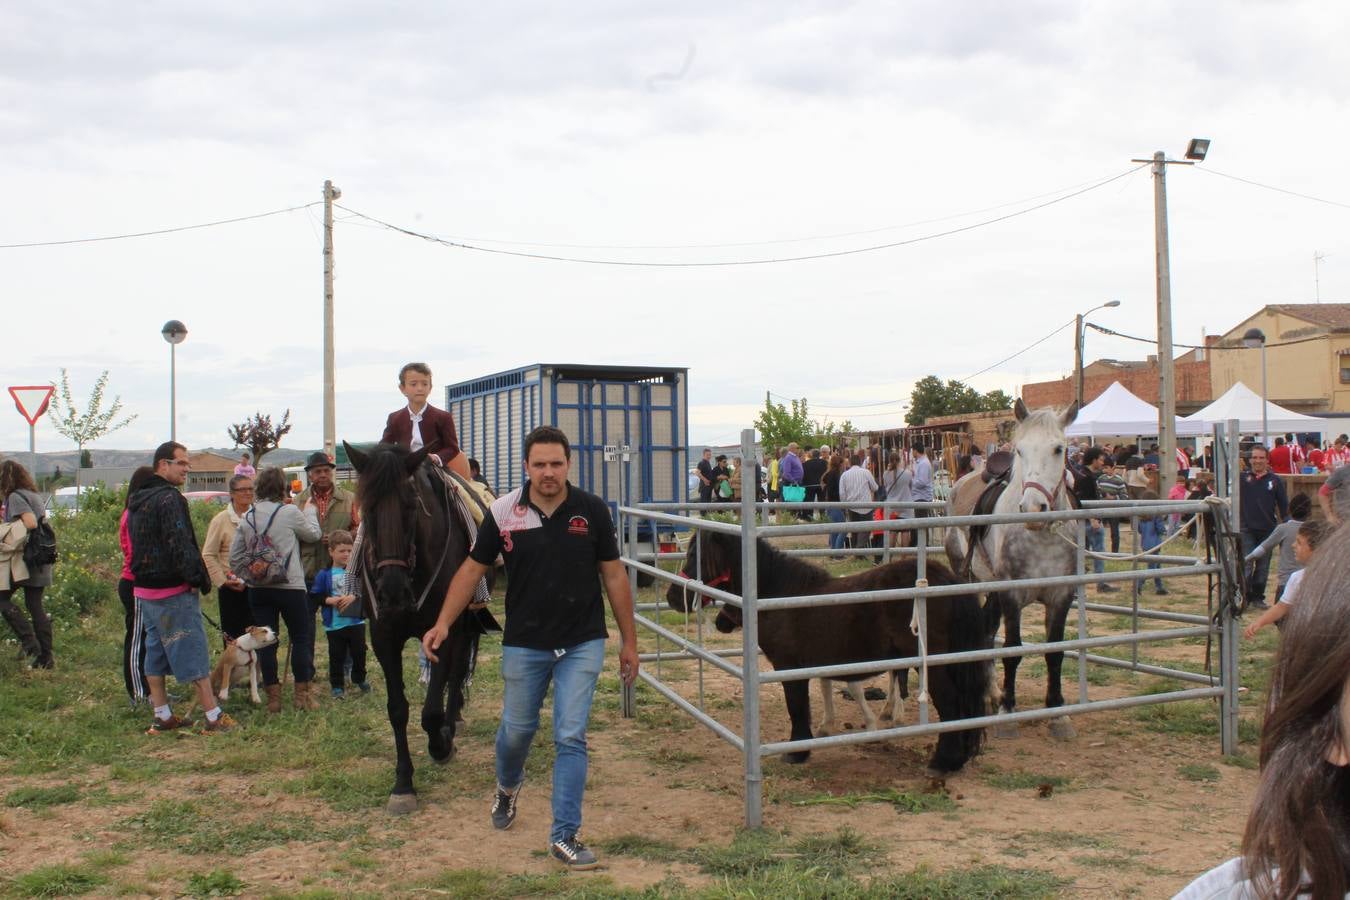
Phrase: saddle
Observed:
(997, 467)
(984, 506)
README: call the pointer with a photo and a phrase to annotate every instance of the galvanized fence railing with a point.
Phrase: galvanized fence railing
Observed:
(1219, 623)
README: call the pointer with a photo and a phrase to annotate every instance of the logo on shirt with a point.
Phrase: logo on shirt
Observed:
(578, 525)
(507, 546)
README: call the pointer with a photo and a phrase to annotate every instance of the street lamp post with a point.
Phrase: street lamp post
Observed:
(1254, 338)
(1078, 338)
(1167, 400)
(174, 332)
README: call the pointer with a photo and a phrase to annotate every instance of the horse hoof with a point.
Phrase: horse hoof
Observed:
(444, 760)
(1007, 731)
(401, 804)
(1062, 729)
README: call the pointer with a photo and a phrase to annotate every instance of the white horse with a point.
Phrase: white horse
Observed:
(1038, 481)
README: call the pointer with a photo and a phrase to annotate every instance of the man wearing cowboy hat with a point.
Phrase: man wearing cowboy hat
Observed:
(337, 512)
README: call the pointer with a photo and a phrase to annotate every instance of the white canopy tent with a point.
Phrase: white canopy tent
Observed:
(1115, 412)
(1241, 403)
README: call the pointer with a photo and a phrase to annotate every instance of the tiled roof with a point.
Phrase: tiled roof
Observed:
(1330, 315)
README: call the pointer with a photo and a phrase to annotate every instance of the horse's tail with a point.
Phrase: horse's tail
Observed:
(968, 630)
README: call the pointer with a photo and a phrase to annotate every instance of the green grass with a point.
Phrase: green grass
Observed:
(1198, 772)
(216, 883)
(58, 881)
(41, 797)
(1021, 781)
(903, 801)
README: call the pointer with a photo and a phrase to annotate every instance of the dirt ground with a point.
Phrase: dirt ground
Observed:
(1136, 805)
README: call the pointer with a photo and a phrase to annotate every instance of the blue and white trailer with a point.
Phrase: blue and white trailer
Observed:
(640, 407)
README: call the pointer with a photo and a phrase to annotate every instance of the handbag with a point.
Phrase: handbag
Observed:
(794, 493)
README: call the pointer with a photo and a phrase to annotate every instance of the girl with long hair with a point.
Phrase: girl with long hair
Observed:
(22, 503)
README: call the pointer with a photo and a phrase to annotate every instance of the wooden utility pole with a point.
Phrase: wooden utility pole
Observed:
(1167, 389)
(330, 193)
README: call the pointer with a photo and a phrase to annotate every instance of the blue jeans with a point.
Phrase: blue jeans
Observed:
(1258, 571)
(175, 638)
(525, 675)
(1096, 542)
(836, 537)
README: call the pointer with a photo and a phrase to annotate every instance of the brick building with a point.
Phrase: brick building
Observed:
(1140, 377)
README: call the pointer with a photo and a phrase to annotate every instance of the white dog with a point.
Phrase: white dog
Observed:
(240, 658)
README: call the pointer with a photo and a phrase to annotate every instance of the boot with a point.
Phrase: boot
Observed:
(273, 697)
(304, 699)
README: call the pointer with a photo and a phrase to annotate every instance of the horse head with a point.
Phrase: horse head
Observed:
(1038, 475)
(389, 502)
(718, 558)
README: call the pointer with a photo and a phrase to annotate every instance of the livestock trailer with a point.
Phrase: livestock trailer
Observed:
(597, 407)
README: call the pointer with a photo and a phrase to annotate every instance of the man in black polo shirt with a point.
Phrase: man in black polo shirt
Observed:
(559, 544)
(1264, 505)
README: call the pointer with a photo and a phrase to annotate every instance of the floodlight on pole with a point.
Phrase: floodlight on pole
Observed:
(1078, 340)
(1197, 149)
(1254, 338)
(175, 332)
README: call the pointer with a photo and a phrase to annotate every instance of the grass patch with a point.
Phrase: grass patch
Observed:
(196, 833)
(42, 797)
(903, 801)
(960, 884)
(483, 884)
(1198, 772)
(59, 881)
(1241, 761)
(642, 847)
(1055, 839)
(216, 883)
(760, 854)
(1023, 781)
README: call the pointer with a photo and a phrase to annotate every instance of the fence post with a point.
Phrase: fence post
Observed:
(1080, 594)
(628, 692)
(1227, 438)
(754, 776)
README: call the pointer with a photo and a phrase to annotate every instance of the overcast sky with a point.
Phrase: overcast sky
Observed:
(614, 125)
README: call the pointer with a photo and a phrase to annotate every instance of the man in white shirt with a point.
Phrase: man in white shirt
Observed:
(856, 485)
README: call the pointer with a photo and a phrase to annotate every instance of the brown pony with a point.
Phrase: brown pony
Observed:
(855, 632)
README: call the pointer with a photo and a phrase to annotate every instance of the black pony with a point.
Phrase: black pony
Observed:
(412, 543)
(855, 632)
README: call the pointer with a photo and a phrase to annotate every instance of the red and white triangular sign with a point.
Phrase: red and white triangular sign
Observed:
(32, 400)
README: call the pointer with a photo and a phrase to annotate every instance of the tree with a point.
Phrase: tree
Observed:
(86, 461)
(934, 397)
(95, 423)
(778, 425)
(259, 435)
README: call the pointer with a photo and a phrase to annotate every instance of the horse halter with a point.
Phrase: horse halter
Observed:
(1051, 498)
(718, 581)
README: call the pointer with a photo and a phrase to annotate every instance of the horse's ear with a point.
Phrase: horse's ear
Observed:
(358, 457)
(1020, 410)
(1069, 414)
(414, 460)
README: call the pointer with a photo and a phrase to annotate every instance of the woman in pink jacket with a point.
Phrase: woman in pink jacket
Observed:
(133, 645)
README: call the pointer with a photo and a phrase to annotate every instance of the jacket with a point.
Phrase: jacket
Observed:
(288, 528)
(164, 547)
(13, 570)
(342, 515)
(437, 428)
(219, 538)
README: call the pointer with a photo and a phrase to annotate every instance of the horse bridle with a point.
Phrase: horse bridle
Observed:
(718, 581)
(411, 562)
(1051, 498)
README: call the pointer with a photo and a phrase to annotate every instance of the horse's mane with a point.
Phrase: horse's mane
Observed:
(1044, 422)
(383, 476)
(787, 573)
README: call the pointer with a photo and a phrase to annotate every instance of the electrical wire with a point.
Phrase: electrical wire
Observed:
(1132, 337)
(841, 406)
(763, 243)
(1270, 187)
(1031, 346)
(739, 262)
(120, 237)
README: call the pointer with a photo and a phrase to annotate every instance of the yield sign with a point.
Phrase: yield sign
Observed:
(32, 400)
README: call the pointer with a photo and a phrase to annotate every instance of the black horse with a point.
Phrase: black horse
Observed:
(412, 543)
(855, 632)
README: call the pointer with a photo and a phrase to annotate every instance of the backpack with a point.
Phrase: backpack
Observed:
(40, 550)
(263, 565)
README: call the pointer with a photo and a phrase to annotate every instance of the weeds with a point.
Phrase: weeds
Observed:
(59, 881)
(216, 883)
(41, 797)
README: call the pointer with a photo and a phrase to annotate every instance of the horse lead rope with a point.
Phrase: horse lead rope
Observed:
(922, 634)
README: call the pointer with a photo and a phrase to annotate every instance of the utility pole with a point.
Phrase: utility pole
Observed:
(1078, 360)
(330, 193)
(1167, 389)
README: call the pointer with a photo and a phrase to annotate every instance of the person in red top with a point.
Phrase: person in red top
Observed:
(133, 644)
(1316, 458)
(1338, 455)
(419, 424)
(1282, 458)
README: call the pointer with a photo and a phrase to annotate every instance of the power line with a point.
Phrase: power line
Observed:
(459, 245)
(762, 243)
(1270, 187)
(1132, 337)
(841, 406)
(1020, 352)
(120, 237)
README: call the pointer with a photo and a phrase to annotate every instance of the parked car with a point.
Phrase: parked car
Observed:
(220, 498)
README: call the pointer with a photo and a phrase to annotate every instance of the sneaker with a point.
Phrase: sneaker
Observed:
(1162, 592)
(1106, 589)
(573, 854)
(219, 726)
(1258, 604)
(338, 693)
(504, 808)
(172, 723)
(365, 687)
